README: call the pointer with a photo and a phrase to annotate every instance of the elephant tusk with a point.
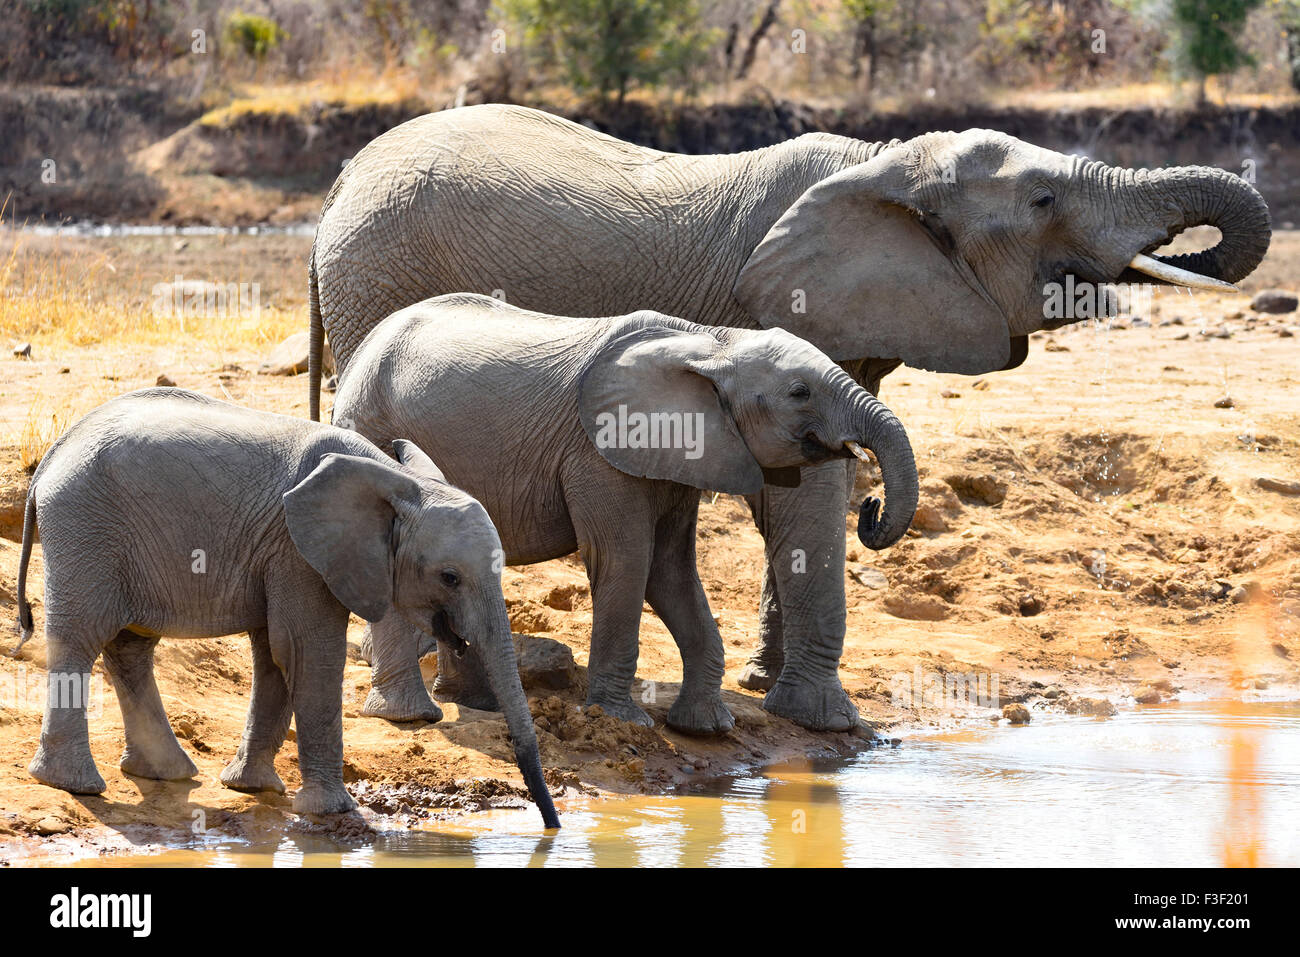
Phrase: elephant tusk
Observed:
(1179, 277)
(857, 450)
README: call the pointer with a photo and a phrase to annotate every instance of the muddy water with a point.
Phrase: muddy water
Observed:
(1179, 784)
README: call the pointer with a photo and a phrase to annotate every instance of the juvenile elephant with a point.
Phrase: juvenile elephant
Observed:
(598, 434)
(934, 252)
(165, 512)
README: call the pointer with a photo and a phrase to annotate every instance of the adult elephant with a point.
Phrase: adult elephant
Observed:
(932, 252)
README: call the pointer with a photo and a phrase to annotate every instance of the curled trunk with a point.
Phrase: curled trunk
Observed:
(879, 430)
(1205, 196)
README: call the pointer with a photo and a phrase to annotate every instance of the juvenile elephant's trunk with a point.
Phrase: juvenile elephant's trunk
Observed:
(881, 432)
(497, 652)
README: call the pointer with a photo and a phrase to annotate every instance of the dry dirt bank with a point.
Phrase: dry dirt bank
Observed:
(1091, 528)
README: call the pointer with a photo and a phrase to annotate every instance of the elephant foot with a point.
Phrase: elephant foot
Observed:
(244, 775)
(758, 675)
(171, 765)
(700, 714)
(76, 776)
(821, 706)
(407, 705)
(319, 799)
(624, 710)
(449, 689)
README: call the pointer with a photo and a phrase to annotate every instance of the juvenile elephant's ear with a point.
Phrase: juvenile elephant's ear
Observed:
(650, 403)
(413, 457)
(862, 266)
(341, 519)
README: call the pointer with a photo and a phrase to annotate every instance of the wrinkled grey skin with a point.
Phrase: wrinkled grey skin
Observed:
(933, 252)
(510, 403)
(165, 512)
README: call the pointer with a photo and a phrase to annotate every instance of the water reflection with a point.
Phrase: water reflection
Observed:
(1183, 784)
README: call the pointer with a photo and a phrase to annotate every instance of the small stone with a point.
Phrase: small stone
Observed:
(1053, 693)
(869, 577)
(65, 370)
(1222, 332)
(1097, 707)
(1282, 486)
(1238, 595)
(1285, 333)
(1053, 346)
(165, 381)
(1016, 713)
(1030, 605)
(51, 825)
(1275, 301)
(1147, 694)
(23, 351)
(1224, 403)
(544, 663)
(980, 385)
(1261, 684)
(949, 394)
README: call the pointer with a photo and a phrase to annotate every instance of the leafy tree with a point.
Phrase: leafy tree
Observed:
(611, 46)
(256, 36)
(1206, 35)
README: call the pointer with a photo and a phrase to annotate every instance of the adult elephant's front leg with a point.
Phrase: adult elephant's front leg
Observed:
(803, 530)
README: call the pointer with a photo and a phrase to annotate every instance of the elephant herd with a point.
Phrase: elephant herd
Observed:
(551, 340)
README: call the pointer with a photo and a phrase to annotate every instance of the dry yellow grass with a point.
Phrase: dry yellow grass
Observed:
(255, 99)
(83, 300)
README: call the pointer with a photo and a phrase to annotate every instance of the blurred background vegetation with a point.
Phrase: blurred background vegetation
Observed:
(854, 52)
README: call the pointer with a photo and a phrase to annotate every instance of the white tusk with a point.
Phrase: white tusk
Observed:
(858, 450)
(1180, 277)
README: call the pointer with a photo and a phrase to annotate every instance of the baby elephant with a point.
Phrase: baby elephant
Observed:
(598, 434)
(165, 512)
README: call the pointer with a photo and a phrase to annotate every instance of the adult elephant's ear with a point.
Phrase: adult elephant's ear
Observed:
(340, 517)
(862, 265)
(651, 402)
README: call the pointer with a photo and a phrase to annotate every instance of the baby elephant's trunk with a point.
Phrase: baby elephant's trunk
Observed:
(497, 652)
(884, 435)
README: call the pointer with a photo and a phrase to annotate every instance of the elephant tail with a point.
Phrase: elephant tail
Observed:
(315, 341)
(25, 623)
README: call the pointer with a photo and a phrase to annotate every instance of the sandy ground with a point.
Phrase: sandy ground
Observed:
(1091, 529)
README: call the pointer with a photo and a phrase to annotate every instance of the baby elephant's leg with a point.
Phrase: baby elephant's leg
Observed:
(269, 713)
(675, 593)
(152, 750)
(63, 759)
(307, 629)
(397, 690)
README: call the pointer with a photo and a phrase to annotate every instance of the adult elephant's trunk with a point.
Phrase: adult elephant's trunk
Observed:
(879, 430)
(1205, 196)
(497, 652)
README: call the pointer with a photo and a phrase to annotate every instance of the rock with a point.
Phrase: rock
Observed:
(1285, 333)
(1147, 693)
(23, 351)
(1238, 595)
(928, 519)
(1016, 713)
(1222, 332)
(1030, 605)
(1224, 403)
(949, 394)
(290, 357)
(1053, 346)
(869, 577)
(1275, 301)
(165, 381)
(1053, 693)
(65, 370)
(544, 663)
(1282, 486)
(1097, 707)
(51, 825)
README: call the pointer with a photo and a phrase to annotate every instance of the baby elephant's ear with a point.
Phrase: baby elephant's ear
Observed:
(649, 401)
(341, 519)
(410, 455)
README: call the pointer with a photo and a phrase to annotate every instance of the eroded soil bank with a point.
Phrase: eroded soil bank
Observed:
(1092, 527)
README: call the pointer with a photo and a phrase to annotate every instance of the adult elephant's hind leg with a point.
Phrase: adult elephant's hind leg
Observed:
(804, 533)
(397, 689)
(765, 664)
(152, 750)
(269, 714)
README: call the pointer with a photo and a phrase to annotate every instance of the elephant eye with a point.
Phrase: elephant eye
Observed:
(450, 578)
(1042, 202)
(799, 391)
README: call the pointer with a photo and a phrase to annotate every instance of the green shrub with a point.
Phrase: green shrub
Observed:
(256, 36)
